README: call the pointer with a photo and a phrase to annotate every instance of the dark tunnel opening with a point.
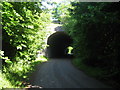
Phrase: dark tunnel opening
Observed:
(58, 43)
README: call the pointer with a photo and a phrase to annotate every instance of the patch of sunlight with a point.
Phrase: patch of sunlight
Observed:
(55, 25)
(41, 59)
(52, 27)
(4, 83)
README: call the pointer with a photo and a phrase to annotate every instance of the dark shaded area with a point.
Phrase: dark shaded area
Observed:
(96, 38)
(58, 43)
(7, 47)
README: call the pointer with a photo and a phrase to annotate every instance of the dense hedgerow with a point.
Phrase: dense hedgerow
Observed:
(23, 34)
(94, 28)
(23, 29)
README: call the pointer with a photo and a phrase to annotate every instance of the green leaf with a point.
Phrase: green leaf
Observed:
(8, 61)
(24, 76)
(1, 53)
(19, 47)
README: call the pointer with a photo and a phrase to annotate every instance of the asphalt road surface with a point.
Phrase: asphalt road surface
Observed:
(60, 73)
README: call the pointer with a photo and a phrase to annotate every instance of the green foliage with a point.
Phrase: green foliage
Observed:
(23, 25)
(1, 54)
(94, 28)
(4, 82)
(17, 74)
(94, 32)
(89, 70)
(23, 29)
(60, 11)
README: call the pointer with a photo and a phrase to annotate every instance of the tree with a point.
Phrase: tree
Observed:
(23, 29)
(60, 11)
(94, 29)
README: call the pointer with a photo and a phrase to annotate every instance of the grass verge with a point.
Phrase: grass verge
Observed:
(96, 72)
(15, 75)
(4, 82)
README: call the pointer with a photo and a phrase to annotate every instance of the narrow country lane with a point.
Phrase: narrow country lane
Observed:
(60, 73)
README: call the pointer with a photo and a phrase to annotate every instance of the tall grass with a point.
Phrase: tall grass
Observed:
(16, 75)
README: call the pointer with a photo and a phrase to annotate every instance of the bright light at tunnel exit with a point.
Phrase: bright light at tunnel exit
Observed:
(70, 49)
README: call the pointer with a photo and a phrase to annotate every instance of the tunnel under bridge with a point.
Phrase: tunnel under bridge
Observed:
(58, 43)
